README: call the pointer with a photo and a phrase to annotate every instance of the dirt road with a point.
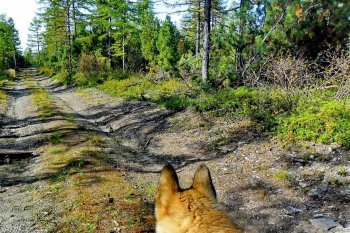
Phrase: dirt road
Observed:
(266, 187)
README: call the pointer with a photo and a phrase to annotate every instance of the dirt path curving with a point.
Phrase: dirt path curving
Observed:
(265, 186)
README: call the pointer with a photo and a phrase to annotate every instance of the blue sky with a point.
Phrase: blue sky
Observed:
(23, 11)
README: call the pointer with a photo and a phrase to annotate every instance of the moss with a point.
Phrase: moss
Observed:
(319, 120)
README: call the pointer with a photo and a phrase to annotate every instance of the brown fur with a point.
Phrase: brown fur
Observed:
(194, 210)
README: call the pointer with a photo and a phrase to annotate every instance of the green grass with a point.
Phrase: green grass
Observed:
(318, 120)
(55, 138)
(43, 101)
(136, 86)
(342, 171)
(292, 117)
(282, 175)
(3, 97)
(82, 183)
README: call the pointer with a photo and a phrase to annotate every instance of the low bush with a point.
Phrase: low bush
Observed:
(135, 87)
(62, 77)
(320, 120)
(47, 71)
(10, 73)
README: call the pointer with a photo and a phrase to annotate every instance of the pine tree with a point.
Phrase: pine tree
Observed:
(9, 43)
(36, 38)
(149, 35)
(167, 43)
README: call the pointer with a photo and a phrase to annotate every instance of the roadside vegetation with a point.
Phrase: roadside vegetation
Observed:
(288, 89)
(91, 196)
(43, 101)
(5, 78)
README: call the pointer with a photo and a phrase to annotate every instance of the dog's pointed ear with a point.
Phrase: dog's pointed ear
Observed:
(203, 183)
(168, 183)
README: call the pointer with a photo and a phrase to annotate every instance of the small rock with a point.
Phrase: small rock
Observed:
(318, 215)
(294, 210)
(324, 224)
(241, 143)
(45, 213)
(314, 193)
(304, 184)
(340, 229)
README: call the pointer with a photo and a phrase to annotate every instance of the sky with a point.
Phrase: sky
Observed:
(22, 12)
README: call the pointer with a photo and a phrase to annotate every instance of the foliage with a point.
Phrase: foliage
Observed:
(41, 98)
(318, 120)
(136, 87)
(167, 45)
(90, 70)
(62, 77)
(46, 70)
(3, 97)
(9, 43)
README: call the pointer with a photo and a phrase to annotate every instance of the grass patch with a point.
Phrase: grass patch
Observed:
(92, 196)
(292, 116)
(318, 120)
(47, 71)
(70, 119)
(282, 175)
(55, 138)
(43, 101)
(342, 171)
(3, 97)
(136, 86)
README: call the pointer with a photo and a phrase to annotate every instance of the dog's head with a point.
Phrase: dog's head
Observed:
(175, 204)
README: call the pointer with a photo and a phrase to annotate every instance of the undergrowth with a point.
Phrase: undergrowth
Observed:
(43, 101)
(92, 196)
(3, 97)
(316, 116)
(290, 115)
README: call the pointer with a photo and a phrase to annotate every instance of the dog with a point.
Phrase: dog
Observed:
(192, 210)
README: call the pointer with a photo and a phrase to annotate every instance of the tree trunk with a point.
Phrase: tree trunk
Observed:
(123, 54)
(206, 41)
(38, 46)
(198, 29)
(74, 19)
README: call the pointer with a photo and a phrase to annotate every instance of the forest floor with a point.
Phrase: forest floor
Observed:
(96, 162)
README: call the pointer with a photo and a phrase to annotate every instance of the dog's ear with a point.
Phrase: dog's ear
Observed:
(203, 183)
(168, 184)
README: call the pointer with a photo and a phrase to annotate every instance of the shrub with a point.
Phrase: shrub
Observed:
(46, 70)
(136, 86)
(318, 120)
(62, 77)
(90, 70)
(10, 73)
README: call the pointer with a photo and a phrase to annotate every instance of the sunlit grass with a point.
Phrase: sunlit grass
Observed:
(91, 194)
(43, 101)
(3, 97)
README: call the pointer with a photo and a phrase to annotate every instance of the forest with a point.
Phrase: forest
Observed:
(257, 89)
(297, 48)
